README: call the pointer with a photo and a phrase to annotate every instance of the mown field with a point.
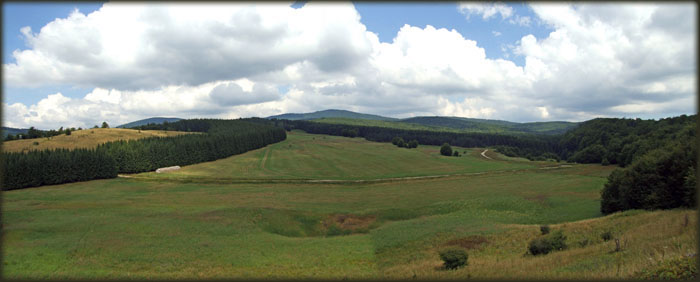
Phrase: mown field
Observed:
(311, 156)
(180, 225)
(86, 138)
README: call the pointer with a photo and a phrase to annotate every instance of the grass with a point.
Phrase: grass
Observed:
(309, 156)
(129, 228)
(86, 138)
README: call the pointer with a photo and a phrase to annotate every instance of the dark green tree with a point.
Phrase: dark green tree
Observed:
(446, 150)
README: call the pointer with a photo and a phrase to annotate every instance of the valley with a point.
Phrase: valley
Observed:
(260, 214)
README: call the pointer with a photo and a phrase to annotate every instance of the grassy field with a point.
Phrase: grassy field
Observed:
(86, 138)
(310, 156)
(146, 229)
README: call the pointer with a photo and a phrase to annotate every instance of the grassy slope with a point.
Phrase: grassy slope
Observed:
(310, 156)
(87, 138)
(127, 228)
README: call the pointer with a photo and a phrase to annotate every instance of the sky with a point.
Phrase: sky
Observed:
(79, 64)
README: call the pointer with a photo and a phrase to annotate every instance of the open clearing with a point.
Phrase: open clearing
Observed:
(86, 138)
(180, 225)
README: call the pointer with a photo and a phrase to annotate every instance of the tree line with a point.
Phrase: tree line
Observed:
(535, 144)
(218, 139)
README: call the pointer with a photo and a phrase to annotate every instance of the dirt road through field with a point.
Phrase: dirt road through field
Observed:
(483, 154)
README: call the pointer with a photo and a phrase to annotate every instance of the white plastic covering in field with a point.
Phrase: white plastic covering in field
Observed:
(166, 169)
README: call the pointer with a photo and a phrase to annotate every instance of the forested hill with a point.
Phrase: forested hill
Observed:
(13, 131)
(221, 138)
(621, 141)
(329, 114)
(153, 120)
(488, 125)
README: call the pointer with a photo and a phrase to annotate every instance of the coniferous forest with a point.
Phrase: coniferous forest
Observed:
(218, 139)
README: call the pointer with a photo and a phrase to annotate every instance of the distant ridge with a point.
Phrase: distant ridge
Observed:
(455, 123)
(331, 113)
(546, 127)
(13, 131)
(156, 120)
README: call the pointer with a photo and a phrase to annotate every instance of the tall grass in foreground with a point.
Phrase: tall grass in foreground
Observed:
(647, 239)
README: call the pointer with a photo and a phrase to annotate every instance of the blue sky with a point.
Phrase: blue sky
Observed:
(35, 15)
(517, 61)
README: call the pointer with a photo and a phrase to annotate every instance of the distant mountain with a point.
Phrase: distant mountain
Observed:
(156, 120)
(330, 114)
(488, 125)
(13, 131)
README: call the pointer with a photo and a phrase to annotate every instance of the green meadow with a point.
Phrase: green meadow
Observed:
(276, 212)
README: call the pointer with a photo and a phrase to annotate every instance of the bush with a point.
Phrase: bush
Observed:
(607, 235)
(454, 258)
(68, 132)
(456, 153)
(446, 150)
(685, 268)
(544, 229)
(546, 244)
(413, 144)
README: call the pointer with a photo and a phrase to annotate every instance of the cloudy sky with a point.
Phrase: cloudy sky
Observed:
(81, 64)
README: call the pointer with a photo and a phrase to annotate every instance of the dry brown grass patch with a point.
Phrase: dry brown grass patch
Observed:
(471, 242)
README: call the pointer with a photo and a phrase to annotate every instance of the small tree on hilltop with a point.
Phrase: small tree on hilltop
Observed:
(105, 125)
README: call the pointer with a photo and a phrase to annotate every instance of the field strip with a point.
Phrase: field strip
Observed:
(215, 180)
(264, 158)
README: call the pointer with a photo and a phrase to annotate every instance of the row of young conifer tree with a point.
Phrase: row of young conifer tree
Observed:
(217, 139)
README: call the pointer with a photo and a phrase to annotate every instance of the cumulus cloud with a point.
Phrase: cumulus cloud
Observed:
(486, 10)
(130, 46)
(229, 60)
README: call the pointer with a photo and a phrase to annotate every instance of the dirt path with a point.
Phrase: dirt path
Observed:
(483, 154)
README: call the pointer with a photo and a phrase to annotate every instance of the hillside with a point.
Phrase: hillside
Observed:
(86, 138)
(155, 120)
(486, 125)
(332, 113)
(433, 123)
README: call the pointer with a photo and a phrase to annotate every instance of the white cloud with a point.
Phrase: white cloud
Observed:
(131, 46)
(495, 33)
(228, 60)
(486, 10)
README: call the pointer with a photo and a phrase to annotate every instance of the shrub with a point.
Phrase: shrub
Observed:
(454, 258)
(413, 144)
(456, 153)
(607, 235)
(544, 229)
(68, 132)
(546, 244)
(583, 243)
(685, 268)
(334, 230)
(446, 150)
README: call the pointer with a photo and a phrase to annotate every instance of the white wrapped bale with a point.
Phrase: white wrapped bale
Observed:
(166, 169)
